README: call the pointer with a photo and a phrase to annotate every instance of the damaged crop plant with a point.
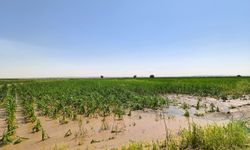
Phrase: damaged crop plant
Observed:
(70, 98)
(103, 97)
(67, 98)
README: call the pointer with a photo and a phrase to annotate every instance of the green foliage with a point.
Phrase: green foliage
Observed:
(88, 99)
(198, 104)
(6, 138)
(212, 107)
(234, 135)
(3, 92)
(186, 114)
(69, 97)
(10, 110)
(37, 127)
(185, 106)
(217, 109)
(134, 146)
(45, 136)
(231, 136)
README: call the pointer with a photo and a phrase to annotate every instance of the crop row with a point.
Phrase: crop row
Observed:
(68, 98)
(3, 92)
(70, 102)
(10, 108)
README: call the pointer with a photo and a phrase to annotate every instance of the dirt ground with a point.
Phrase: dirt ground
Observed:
(147, 125)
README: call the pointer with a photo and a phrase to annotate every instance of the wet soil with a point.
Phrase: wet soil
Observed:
(145, 125)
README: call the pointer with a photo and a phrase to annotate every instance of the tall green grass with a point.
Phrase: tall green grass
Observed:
(233, 136)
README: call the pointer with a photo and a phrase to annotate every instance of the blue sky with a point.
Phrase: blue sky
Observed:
(63, 38)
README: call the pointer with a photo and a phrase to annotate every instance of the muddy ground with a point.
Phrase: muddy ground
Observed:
(140, 126)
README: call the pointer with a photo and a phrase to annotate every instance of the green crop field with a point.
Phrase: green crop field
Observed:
(105, 96)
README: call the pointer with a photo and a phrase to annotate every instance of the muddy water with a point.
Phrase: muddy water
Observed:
(140, 126)
(147, 125)
(227, 110)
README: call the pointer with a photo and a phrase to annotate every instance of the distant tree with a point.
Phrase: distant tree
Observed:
(152, 76)
(134, 76)
(238, 75)
(102, 76)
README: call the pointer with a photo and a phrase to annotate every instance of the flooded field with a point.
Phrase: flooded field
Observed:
(112, 114)
(140, 126)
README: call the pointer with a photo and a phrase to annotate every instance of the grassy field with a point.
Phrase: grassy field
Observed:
(67, 98)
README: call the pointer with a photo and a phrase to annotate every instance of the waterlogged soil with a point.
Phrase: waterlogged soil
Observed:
(140, 126)
(227, 110)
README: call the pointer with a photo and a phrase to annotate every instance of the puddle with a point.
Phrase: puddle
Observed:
(174, 111)
(140, 126)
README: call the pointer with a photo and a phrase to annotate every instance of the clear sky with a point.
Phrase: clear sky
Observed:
(74, 38)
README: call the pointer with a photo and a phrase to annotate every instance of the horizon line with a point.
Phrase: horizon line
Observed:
(110, 77)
